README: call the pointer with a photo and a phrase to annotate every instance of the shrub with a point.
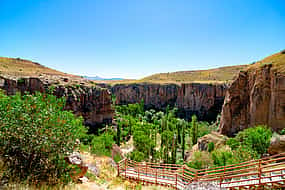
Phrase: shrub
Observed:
(137, 156)
(256, 138)
(211, 147)
(101, 145)
(222, 157)
(35, 136)
(200, 160)
(233, 143)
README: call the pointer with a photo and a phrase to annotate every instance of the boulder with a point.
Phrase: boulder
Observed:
(277, 144)
(218, 140)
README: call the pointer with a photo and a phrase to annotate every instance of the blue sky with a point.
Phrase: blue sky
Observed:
(136, 38)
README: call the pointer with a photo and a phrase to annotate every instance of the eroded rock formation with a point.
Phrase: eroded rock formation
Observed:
(93, 103)
(204, 100)
(257, 96)
(277, 144)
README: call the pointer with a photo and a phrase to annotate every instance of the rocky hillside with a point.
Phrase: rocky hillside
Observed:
(204, 100)
(211, 76)
(82, 97)
(256, 96)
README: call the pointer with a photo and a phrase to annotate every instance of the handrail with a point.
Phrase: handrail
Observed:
(250, 173)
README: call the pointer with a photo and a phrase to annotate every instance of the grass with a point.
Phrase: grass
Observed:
(276, 61)
(22, 67)
(212, 76)
(16, 68)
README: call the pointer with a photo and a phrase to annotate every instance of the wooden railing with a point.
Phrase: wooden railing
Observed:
(269, 171)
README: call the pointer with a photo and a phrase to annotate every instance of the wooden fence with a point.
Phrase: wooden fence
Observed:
(266, 172)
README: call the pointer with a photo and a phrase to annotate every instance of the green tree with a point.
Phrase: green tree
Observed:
(194, 130)
(35, 136)
(118, 138)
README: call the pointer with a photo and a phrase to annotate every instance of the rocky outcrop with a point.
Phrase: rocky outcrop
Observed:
(214, 137)
(204, 100)
(277, 145)
(93, 103)
(256, 97)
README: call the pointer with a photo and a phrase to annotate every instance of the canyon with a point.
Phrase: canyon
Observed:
(204, 100)
(256, 96)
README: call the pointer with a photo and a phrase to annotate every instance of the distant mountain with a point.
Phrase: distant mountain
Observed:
(100, 78)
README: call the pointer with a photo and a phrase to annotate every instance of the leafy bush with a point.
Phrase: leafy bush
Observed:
(137, 156)
(35, 136)
(101, 145)
(222, 157)
(256, 138)
(200, 160)
(233, 143)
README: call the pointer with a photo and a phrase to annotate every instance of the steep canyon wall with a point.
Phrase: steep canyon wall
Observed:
(204, 100)
(256, 97)
(93, 103)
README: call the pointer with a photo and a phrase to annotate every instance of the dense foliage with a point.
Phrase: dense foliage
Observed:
(158, 136)
(255, 139)
(35, 136)
(248, 144)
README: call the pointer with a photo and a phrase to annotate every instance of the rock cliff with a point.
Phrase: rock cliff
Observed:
(256, 96)
(204, 100)
(93, 103)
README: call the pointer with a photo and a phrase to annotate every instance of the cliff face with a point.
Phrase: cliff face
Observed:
(204, 100)
(257, 96)
(93, 103)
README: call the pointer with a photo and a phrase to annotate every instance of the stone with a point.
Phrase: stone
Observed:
(218, 140)
(83, 179)
(277, 144)
(74, 158)
(204, 186)
(93, 169)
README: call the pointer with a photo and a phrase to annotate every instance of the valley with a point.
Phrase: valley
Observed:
(200, 124)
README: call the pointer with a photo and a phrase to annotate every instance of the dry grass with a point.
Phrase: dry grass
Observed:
(211, 76)
(276, 60)
(21, 67)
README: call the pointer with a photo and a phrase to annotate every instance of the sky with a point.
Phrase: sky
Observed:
(137, 38)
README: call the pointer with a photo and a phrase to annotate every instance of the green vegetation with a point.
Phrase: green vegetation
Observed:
(256, 140)
(35, 136)
(157, 136)
(249, 144)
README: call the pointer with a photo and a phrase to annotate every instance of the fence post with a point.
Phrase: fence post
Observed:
(156, 176)
(146, 169)
(138, 166)
(222, 178)
(259, 170)
(118, 165)
(176, 180)
(125, 168)
(196, 176)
